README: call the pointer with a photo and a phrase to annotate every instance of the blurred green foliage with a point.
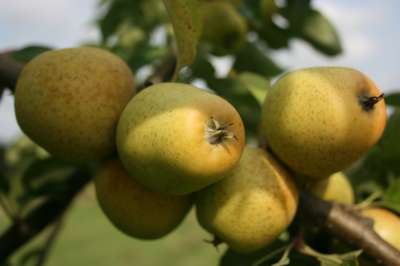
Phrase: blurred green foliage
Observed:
(140, 32)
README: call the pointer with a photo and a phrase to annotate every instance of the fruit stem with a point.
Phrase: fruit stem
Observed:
(216, 133)
(368, 102)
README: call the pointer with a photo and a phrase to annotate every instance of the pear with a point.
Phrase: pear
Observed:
(386, 224)
(177, 138)
(224, 28)
(68, 101)
(133, 209)
(320, 120)
(335, 188)
(252, 206)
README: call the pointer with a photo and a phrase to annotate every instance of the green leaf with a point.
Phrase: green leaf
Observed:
(317, 30)
(390, 145)
(233, 258)
(202, 68)
(146, 14)
(240, 97)
(346, 259)
(185, 16)
(29, 52)
(252, 59)
(45, 177)
(274, 36)
(143, 54)
(268, 256)
(391, 197)
(256, 84)
(4, 182)
(393, 99)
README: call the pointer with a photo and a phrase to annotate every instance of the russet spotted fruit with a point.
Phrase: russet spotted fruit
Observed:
(177, 138)
(68, 101)
(251, 207)
(318, 121)
(132, 208)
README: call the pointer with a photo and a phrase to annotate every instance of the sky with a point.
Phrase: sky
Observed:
(369, 31)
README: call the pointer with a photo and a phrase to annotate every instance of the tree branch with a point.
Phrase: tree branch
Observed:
(38, 219)
(348, 225)
(50, 241)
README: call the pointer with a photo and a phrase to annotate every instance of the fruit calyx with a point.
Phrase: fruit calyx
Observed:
(368, 103)
(216, 133)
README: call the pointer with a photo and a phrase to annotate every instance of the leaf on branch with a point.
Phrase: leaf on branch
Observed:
(345, 259)
(27, 53)
(185, 16)
(317, 30)
(240, 97)
(45, 177)
(4, 182)
(256, 84)
(145, 14)
(390, 145)
(252, 58)
(393, 99)
(391, 197)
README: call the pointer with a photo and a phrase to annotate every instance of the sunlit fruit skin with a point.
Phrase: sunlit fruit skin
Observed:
(224, 28)
(252, 206)
(335, 188)
(162, 138)
(315, 122)
(68, 101)
(132, 208)
(386, 224)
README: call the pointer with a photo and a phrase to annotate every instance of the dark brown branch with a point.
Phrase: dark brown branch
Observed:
(41, 217)
(9, 71)
(349, 226)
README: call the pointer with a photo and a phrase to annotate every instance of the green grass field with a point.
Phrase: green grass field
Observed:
(87, 238)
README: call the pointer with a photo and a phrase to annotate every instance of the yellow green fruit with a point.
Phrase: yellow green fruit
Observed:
(386, 224)
(335, 188)
(320, 120)
(224, 28)
(133, 209)
(177, 138)
(252, 206)
(68, 101)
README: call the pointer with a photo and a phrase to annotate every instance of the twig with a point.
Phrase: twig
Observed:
(348, 225)
(50, 241)
(38, 219)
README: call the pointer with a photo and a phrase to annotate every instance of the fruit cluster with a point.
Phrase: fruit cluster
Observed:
(178, 145)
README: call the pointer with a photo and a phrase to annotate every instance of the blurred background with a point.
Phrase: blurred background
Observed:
(369, 40)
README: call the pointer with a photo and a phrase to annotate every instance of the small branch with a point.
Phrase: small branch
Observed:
(38, 219)
(9, 71)
(50, 241)
(349, 226)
